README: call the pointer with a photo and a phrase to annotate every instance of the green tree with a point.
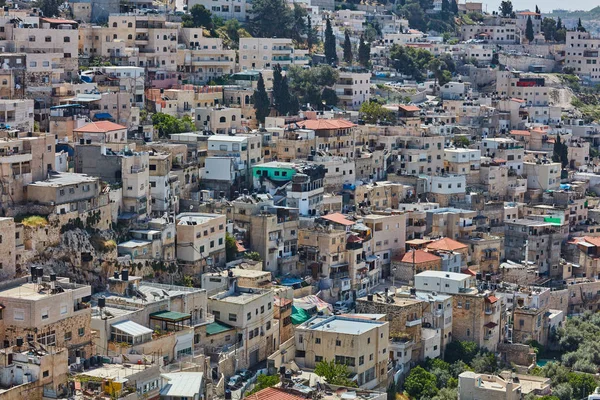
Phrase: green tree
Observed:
(446, 394)
(460, 350)
(279, 97)
(262, 106)
(298, 28)
(529, 30)
(415, 16)
(230, 247)
(548, 28)
(580, 27)
(231, 32)
(372, 113)
(441, 76)
(364, 52)
(454, 7)
(420, 383)
(506, 8)
(50, 8)
(582, 384)
(334, 374)
(537, 10)
(311, 34)
(253, 255)
(330, 45)
(564, 391)
(347, 48)
(410, 61)
(309, 85)
(445, 8)
(560, 152)
(198, 17)
(167, 124)
(263, 382)
(485, 363)
(271, 18)
(559, 24)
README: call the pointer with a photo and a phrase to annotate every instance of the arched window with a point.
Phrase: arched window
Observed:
(115, 36)
(130, 25)
(67, 39)
(4, 82)
(130, 36)
(232, 118)
(114, 24)
(222, 119)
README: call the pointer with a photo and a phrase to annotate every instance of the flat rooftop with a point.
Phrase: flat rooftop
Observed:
(196, 218)
(34, 292)
(115, 371)
(343, 325)
(66, 178)
(239, 297)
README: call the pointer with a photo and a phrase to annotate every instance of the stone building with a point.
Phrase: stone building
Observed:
(359, 343)
(49, 310)
(250, 311)
(201, 239)
(404, 315)
(283, 313)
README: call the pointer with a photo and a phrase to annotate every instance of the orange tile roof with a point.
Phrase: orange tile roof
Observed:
(100, 127)
(517, 100)
(408, 108)
(527, 13)
(420, 256)
(274, 394)
(326, 124)
(58, 20)
(446, 244)
(338, 218)
(593, 240)
(520, 133)
(491, 299)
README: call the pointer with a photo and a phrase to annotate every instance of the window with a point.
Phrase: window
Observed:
(338, 342)
(233, 317)
(317, 340)
(66, 39)
(47, 339)
(361, 360)
(19, 314)
(262, 309)
(318, 359)
(81, 331)
(248, 316)
(45, 313)
(63, 309)
(46, 374)
(68, 336)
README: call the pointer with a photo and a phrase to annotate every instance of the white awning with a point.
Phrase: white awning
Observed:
(132, 328)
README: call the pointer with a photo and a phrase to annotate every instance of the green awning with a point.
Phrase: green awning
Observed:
(217, 327)
(170, 316)
(299, 315)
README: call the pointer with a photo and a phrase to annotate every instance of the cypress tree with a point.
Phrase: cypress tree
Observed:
(330, 46)
(529, 30)
(261, 100)
(364, 52)
(279, 100)
(454, 7)
(347, 48)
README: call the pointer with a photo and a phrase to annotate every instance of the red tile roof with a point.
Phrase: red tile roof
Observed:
(520, 133)
(527, 13)
(517, 100)
(491, 299)
(446, 244)
(338, 218)
(420, 256)
(326, 124)
(100, 127)
(240, 246)
(274, 394)
(491, 325)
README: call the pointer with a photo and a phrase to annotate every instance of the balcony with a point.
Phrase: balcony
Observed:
(414, 322)
(201, 61)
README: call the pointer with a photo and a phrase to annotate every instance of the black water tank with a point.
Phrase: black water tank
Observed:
(488, 277)
(370, 297)
(116, 274)
(19, 341)
(40, 272)
(125, 275)
(102, 302)
(52, 277)
(478, 276)
(413, 291)
(86, 364)
(33, 272)
(6, 344)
